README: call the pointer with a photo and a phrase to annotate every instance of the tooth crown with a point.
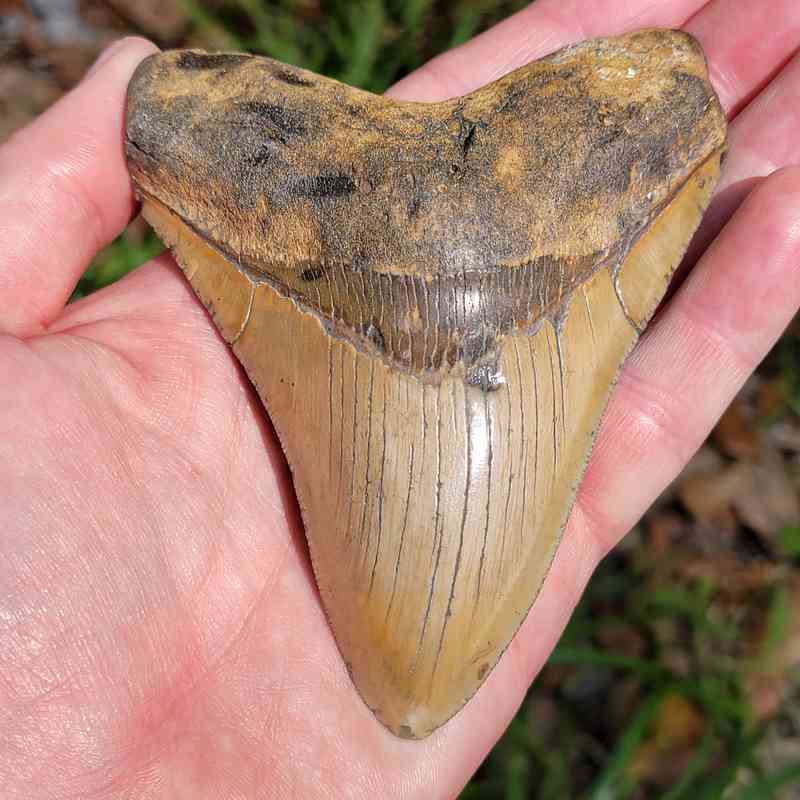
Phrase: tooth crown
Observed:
(433, 301)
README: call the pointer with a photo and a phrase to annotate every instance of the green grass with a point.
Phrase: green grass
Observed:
(124, 254)
(368, 43)
(574, 752)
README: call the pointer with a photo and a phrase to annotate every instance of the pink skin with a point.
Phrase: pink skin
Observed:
(160, 633)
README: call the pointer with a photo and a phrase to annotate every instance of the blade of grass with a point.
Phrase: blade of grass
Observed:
(742, 755)
(777, 627)
(691, 603)
(360, 43)
(465, 28)
(683, 789)
(275, 33)
(613, 783)
(203, 20)
(720, 696)
(412, 12)
(586, 656)
(517, 769)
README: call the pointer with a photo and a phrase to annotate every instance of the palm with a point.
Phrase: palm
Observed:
(209, 648)
(160, 634)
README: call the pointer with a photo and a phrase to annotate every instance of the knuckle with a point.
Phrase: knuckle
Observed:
(658, 420)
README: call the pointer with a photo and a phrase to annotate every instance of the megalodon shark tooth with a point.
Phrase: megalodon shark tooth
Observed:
(433, 302)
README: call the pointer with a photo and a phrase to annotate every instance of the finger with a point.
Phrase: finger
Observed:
(763, 138)
(64, 193)
(745, 43)
(541, 28)
(692, 361)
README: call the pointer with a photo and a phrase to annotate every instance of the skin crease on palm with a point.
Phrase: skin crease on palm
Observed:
(160, 631)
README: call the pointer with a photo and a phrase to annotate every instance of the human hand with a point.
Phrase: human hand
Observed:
(160, 632)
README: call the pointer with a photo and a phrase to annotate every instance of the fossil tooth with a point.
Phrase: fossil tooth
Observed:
(433, 301)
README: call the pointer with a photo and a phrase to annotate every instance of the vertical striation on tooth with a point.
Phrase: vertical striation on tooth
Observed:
(433, 302)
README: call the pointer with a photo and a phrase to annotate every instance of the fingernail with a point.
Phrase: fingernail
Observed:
(105, 56)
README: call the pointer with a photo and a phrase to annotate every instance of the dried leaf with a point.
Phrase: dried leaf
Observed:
(769, 501)
(736, 434)
(708, 495)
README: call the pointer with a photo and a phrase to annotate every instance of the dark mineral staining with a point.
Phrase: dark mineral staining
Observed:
(685, 107)
(312, 274)
(291, 78)
(607, 167)
(189, 60)
(283, 123)
(482, 671)
(320, 187)
(263, 155)
(658, 163)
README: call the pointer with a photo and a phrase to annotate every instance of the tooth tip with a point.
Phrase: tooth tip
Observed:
(412, 706)
(413, 730)
(411, 720)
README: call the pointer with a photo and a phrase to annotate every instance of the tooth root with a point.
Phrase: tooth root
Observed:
(433, 511)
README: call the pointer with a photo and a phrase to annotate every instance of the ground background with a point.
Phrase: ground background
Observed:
(679, 676)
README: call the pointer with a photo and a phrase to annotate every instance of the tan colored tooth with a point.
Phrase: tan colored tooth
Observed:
(433, 302)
